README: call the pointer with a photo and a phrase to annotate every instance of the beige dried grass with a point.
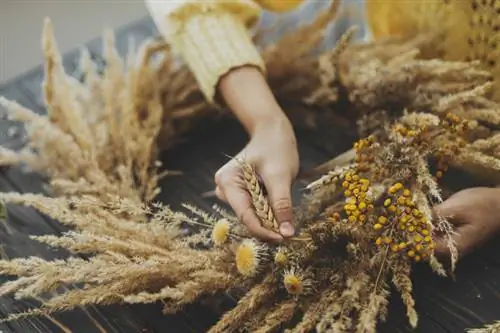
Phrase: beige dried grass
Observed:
(138, 250)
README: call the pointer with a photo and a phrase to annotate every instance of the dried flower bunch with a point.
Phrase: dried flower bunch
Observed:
(362, 226)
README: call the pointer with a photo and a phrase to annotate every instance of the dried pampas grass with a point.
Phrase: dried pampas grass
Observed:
(366, 220)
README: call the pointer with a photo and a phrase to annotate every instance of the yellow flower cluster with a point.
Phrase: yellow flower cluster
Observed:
(398, 223)
(358, 204)
(403, 226)
(363, 157)
(457, 127)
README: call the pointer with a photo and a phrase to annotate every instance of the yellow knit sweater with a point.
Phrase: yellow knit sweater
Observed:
(213, 36)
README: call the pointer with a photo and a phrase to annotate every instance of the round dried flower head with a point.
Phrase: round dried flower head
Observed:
(281, 258)
(220, 232)
(248, 255)
(294, 282)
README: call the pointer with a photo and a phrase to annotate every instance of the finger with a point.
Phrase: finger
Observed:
(220, 194)
(462, 238)
(279, 194)
(240, 201)
(449, 210)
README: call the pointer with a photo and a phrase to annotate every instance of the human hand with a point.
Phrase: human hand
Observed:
(272, 152)
(475, 214)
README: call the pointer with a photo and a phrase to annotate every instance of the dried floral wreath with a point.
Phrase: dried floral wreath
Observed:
(363, 224)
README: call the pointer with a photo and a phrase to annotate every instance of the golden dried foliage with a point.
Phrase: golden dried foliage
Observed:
(363, 225)
(492, 328)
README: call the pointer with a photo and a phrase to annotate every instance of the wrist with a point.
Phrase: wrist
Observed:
(275, 121)
(248, 96)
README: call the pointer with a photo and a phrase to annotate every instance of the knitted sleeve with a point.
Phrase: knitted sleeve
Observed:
(212, 36)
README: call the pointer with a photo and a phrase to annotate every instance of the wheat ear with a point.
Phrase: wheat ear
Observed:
(259, 200)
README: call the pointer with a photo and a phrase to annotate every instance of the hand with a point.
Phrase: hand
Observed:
(475, 214)
(272, 151)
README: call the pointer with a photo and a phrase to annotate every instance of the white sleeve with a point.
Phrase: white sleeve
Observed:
(212, 36)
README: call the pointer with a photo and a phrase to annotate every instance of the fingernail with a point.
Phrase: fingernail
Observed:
(286, 229)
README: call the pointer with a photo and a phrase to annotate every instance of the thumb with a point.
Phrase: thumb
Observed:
(280, 198)
(444, 241)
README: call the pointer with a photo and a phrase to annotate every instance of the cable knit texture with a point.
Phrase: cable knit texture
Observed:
(212, 45)
(213, 36)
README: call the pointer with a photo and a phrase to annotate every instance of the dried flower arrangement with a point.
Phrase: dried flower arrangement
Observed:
(362, 226)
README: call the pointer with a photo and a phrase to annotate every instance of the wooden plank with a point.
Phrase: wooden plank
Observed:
(12, 133)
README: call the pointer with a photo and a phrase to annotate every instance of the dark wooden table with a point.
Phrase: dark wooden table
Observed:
(444, 305)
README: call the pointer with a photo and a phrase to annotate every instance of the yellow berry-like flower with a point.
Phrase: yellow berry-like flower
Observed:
(418, 238)
(377, 226)
(392, 209)
(401, 200)
(425, 232)
(347, 193)
(362, 218)
(428, 239)
(349, 207)
(345, 184)
(411, 253)
(402, 245)
(394, 248)
(220, 232)
(248, 257)
(387, 202)
(379, 241)
(351, 201)
(406, 192)
(417, 258)
(352, 219)
(387, 240)
(398, 186)
(382, 220)
(362, 206)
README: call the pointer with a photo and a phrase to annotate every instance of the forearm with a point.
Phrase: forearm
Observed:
(248, 96)
(213, 39)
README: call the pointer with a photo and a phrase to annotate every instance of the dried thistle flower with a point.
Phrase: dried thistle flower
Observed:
(220, 232)
(248, 257)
